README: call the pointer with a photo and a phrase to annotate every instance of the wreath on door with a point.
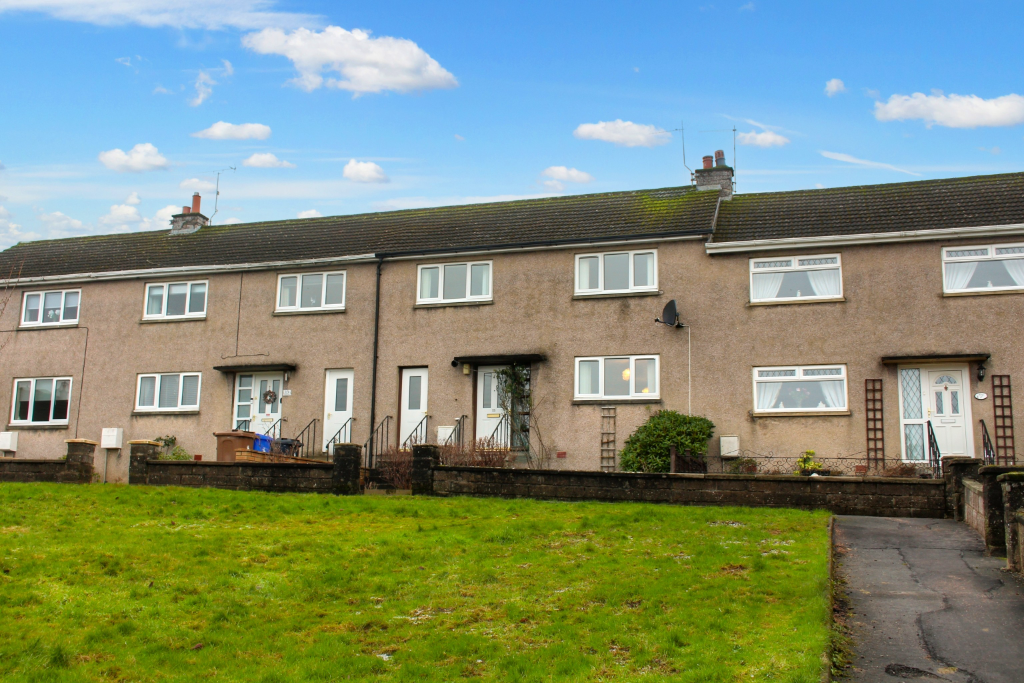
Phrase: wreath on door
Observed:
(269, 396)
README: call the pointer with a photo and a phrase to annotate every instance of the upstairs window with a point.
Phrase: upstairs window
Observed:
(41, 401)
(169, 391)
(617, 377)
(617, 272)
(454, 282)
(50, 308)
(995, 268)
(311, 292)
(176, 300)
(796, 278)
(800, 389)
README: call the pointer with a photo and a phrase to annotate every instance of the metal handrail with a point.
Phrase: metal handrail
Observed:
(304, 448)
(378, 441)
(988, 450)
(418, 434)
(499, 438)
(338, 438)
(934, 455)
(455, 438)
(243, 425)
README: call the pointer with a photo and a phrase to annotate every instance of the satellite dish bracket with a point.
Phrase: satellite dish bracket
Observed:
(670, 316)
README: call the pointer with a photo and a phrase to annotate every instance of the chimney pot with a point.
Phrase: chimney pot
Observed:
(195, 202)
(709, 162)
(719, 158)
(186, 209)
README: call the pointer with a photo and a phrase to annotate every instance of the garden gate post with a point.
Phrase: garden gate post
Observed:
(79, 461)
(139, 452)
(347, 458)
(425, 458)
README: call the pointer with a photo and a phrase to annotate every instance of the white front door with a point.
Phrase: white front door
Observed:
(488, 408)
(940, 395)
(414, 405)
(251, 392)
(948, 400)
(338, 405)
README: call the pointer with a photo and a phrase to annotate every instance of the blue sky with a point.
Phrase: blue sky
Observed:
(381, 105)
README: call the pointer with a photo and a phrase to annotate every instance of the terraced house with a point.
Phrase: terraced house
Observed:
(870, 321)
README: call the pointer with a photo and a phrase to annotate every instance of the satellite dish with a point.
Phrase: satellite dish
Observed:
(669, 315)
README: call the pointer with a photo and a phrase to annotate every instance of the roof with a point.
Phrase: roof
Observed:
(922, 205)
(667, 212)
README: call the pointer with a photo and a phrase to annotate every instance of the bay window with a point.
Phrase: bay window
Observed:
(41, 401)
(454, 282)
(617, 377)
(172, 300)
(800, 389)
(168, 391)
(311, 292)
(796, 278)
(989, 268)
(618, 272)
(50, 308)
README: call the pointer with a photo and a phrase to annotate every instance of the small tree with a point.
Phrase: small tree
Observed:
(647, 449)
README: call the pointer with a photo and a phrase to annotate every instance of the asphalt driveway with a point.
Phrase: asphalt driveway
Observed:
(928, 604)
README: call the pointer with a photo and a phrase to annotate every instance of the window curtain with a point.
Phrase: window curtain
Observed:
(825, 282)
(767, 285)
(1016, 270)
(835, 396)
(959, 274)
(767, 393)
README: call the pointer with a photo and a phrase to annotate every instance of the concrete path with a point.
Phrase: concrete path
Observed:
(927, 604)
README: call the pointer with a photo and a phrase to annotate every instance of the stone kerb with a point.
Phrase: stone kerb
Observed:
(1012, 484)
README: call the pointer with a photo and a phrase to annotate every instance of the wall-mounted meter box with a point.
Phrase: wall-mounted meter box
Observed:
(111, 437)
(9, 441)
(730, 446)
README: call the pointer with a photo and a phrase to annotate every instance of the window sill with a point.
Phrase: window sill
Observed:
(445, 304)
(139, 413)
(838, 300)
(983, 292)
(41, 426)
(815, 413)
(616, 295)
(183, 319)
(614, 401)
(60, 326)
(312, 311)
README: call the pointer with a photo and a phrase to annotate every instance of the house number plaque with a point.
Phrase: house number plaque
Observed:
(981, 396)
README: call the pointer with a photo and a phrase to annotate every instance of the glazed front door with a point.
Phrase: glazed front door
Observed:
(338, 405)
(947, 398)
(413, 407)
(258, 401)
(488, 408)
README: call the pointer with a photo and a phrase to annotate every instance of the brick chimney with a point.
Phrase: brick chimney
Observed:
(190, 219)
(715, 175)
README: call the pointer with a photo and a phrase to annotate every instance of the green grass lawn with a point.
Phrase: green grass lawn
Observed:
(153, 584)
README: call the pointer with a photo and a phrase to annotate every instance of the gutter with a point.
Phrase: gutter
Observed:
(712, 248)
(376, 339)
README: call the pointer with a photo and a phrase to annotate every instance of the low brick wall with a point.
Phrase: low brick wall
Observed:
(876, 496)
(1012, 485)
(76, 467)
(974, 506)
(340, 476)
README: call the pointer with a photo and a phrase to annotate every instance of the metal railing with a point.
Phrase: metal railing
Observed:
(343, 435)
(378, 442)
(506, 435)
(275, 429)
(243, 425)
(988, 450)
(770, 463)
(418, 434)
(457, 433)
(934, 455)
(305, 445)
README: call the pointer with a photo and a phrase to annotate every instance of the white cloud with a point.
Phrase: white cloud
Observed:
(162, 218)
(228, 69)
(834, 87)
(846, 158)
(311, 213)
(457, 137)
(231, 221)
(204, 89)
(364, 64)
(623, 133)
(161, 90)
(765, 138)
(197, 185)
(749, 7)
(127, 61)
(953, 111)
(127, 218)
(10, 232)
(571, 175)
(207, 14)
(399, 203)
(266, 160)
(222, 130)
(142, 157)
(59, 225)
(133, 199)
(364, 172)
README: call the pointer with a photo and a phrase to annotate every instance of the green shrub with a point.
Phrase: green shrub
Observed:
(806, 463)
(647, 449)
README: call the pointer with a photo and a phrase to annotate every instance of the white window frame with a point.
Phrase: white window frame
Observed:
(278, 308)
(992, 255)
(188, 300)
(156, 393)
(469, 282)
(601, 291)
(633, 394)
(31, 401)
(800, 377)
(42, 297)
(795, 267)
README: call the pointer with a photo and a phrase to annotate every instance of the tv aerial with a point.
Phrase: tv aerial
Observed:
(670, 315)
